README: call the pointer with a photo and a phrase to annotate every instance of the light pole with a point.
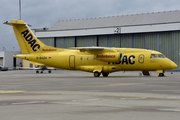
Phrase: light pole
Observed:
(4, 49)
(20, 9)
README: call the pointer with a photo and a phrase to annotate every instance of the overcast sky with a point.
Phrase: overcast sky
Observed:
(45, 13)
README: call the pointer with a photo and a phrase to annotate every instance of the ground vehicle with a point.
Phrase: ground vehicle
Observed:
(3, 68)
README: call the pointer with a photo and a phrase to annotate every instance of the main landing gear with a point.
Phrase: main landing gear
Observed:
(42, 71)
(97, 74)
(146, 73)
(38, 71)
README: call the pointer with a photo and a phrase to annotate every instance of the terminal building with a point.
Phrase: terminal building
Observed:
(157, 31)
(7, 59)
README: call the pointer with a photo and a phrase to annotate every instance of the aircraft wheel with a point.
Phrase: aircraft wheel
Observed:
(97, 74)
(37, 71)
(41, 71)
(49, 71)
(146, 73)
(161, 75)
(105, 74)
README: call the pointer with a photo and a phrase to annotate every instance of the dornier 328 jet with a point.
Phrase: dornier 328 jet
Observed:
(98, 60)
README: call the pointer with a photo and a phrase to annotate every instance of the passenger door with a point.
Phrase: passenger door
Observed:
(72, 61)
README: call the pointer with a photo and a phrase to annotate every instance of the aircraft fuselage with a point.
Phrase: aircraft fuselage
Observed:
(132, 60)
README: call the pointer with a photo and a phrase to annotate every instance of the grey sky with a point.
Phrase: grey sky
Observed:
(41, 13)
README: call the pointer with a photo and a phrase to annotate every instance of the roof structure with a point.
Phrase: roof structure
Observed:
(154, 18)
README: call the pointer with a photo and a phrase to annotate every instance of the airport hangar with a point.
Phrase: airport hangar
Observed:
(158, 31)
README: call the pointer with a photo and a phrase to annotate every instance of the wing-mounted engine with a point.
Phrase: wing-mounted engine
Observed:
(109, 57)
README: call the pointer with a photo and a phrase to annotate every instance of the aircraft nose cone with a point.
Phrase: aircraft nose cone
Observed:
(173, 65)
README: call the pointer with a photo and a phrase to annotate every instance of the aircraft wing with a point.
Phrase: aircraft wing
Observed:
(41, 66)
(28, 68)
(36, 68)
(51, 68)
(36, 63)
(102, 53)
(95, 50)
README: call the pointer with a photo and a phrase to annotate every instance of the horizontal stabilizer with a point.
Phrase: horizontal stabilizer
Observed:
(15, 22)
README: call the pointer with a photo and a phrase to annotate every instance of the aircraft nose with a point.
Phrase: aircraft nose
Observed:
(173, 65)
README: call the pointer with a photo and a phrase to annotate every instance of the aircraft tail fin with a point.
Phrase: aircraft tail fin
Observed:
(27, 41)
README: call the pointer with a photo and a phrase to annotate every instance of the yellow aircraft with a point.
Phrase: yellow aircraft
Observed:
(98, 60)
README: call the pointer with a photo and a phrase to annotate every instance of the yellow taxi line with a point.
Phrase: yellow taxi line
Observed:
(10, 91)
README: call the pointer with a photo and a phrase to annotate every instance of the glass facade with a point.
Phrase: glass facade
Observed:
(86, 41)
(48, 41)
(165, 42)
(65, 42)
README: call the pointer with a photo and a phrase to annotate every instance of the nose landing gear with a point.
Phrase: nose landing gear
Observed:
(161, 75)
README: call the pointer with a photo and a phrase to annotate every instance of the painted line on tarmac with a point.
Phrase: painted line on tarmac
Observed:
(79, 100)
(123, 96)
(30, 102)
(172, 110)
(174, 97)
(133, 98)
(10, 91)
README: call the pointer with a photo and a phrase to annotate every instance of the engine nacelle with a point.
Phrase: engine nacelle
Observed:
(109, 57)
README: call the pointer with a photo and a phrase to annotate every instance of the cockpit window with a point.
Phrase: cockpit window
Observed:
(161, 56)
(153, 56)
(157, 56)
